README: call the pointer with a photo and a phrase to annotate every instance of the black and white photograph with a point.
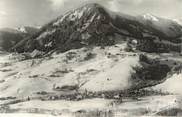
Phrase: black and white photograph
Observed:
(90, 58)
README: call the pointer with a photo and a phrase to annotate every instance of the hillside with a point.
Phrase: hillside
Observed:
(9, 39)
(83, 75)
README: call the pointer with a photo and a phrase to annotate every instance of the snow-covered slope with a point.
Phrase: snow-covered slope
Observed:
(50, 85)
(171, 85)
(150, 17)
(95, 70)
(92, 69)
(165, 28)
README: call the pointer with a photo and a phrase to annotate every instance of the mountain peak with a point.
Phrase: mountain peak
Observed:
(93, 5)
(178, 21)
(149, 16)
(87, 25)
(22, 29)
(77, 14)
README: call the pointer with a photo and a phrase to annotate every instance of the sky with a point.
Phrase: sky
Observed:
(17, 13)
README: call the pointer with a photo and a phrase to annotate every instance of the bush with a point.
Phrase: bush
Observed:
(42, 93)
(64, 71)
(128, 49)
(144, 58)
(70, 55)
(151, 72)
(89, 56)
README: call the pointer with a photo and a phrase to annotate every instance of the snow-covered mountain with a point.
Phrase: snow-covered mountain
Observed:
(93, 24)
(28, 30)
(91, 52)
(179, 21)
(150, 17)
(164, 27)
(10, 37)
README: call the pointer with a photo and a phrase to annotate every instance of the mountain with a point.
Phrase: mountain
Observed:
(10, 37)
(88, 25)
(92, 24)
(179, 21)
(164, 28)
(28, 30)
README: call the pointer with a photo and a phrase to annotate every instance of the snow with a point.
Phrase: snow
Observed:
(72, 106)
(22, 29)
(72, 16)
(87, 24)
(171, 85)
(76, 15)
(25, 115)
(167, 26)
(36, 53)
(24, 87)
(179, 21)
(85, 36)
(92, 18)
(49, 44)
(108, 70)
(44, 34)
(103, 70)
(59, 21)
(115, 78)
(150, 17)
(149, 105)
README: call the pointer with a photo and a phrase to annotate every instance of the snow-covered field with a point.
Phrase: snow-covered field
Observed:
(172, 85)
(148, 106)
(72, 106)
(86, 69)
(26, 115)
(91, 69)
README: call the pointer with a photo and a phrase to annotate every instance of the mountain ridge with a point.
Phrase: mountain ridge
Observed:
(93, 24)
(10, 37)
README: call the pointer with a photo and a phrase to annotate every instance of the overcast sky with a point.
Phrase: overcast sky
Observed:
(15, 13)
